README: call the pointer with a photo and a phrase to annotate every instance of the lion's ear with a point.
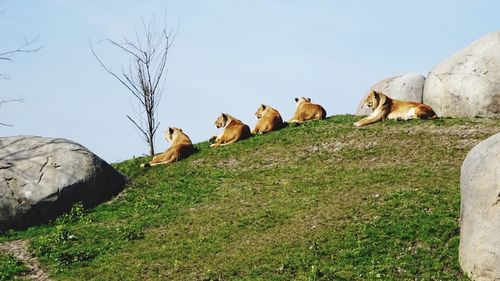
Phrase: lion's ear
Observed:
(224, 116)
(263, 106)
(170, 130)
(308, 99)
(296, 99)
(375, 92)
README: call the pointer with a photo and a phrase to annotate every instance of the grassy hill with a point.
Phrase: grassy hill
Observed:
(320, 201)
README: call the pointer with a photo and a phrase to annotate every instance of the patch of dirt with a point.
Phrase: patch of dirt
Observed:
(230, 163)
(19, 249)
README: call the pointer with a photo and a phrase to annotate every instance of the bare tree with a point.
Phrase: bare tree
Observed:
(25, 47)
(8, 55)
(144, 77)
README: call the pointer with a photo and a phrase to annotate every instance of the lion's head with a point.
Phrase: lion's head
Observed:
(171, 132)
(260, 111)
(372, 100)
(221, 120)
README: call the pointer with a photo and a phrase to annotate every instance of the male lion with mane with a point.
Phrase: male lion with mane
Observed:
(180, 147)
(386, 108)
(234, 130)
(269, 120)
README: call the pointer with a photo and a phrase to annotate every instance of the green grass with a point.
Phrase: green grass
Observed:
(320, 201)
(10, 267)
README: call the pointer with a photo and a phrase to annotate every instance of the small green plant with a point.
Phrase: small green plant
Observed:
(76, 213)
(130, 232)
(42, 246)
(71, 256)
(64, 235)
(10, 267)
(314, 273)
(46, 244)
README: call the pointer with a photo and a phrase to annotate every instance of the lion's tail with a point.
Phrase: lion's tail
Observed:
(323, 113)
(433, 114)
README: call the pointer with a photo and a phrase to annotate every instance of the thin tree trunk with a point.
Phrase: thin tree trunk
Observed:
(144, 77)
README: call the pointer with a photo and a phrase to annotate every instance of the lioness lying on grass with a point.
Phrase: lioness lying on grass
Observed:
(307, 111)
(234, 130)
(386, 108)
(269, 120)
(180, 146)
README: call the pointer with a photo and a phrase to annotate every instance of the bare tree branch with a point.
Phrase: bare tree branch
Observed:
(137, 126)
(144, 74)
(4, 101)
(24, 48)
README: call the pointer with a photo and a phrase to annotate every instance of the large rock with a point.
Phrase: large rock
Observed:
(480, 211)
(468, 83)
(405, 87)
(42, 177)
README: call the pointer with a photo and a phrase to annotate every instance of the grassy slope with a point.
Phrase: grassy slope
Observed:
(321, 201)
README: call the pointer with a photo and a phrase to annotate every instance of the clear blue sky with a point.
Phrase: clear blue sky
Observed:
(229, 56)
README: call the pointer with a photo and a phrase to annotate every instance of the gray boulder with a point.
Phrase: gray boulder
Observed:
(480, 211)
(468, 83)
(42, 177)
(404, 87)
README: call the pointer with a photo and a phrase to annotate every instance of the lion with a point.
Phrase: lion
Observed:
(307, 111)
(269, 120)
(386, 108)
(180, 147)
(234, 130)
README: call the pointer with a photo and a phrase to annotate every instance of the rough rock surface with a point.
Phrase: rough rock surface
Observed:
(468, 83)
(480, 211)
(408, 87)
(42, 177)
